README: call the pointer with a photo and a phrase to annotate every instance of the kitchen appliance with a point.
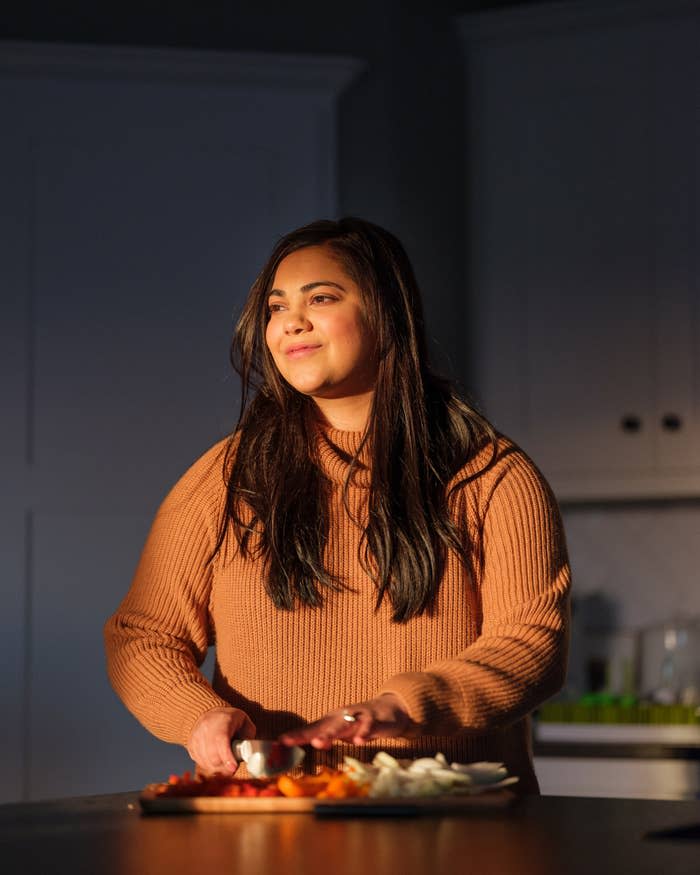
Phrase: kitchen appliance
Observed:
(669, 662)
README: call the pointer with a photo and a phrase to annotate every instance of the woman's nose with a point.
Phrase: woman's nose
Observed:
(296, 322)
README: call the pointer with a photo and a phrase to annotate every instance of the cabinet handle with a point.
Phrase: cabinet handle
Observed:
(671, 422)
(631, 424)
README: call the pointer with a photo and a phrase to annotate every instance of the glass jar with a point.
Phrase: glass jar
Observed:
(669, 655)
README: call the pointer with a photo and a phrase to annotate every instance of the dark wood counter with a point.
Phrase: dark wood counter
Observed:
(107, 835)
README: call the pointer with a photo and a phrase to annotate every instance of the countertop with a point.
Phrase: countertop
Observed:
(616, 750)
(107, 835)
(618, 740)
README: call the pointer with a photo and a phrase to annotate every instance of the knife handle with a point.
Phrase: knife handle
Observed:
(237, 749)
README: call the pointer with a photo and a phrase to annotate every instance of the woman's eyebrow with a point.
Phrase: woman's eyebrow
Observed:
(309, 287)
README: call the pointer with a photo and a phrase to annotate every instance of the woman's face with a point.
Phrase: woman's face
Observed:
(317, 332)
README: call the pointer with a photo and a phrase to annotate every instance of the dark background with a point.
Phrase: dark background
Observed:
(224, 25)
(401, 142)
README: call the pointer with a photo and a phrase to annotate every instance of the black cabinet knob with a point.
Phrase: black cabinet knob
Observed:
(671, 422)
(631, 423)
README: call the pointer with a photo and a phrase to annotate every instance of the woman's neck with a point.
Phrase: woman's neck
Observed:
(346, 414)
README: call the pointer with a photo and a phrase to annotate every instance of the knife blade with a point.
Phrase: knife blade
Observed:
(265, 758)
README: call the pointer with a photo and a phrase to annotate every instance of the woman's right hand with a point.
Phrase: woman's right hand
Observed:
(209, 744)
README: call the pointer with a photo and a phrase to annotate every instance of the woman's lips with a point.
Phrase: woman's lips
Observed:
(301, 350)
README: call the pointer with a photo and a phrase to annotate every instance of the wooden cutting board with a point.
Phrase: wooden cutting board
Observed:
(152, 803)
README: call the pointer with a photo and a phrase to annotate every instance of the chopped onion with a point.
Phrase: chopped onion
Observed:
(426, 776)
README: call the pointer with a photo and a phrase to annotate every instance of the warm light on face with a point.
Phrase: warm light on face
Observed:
(317, 330)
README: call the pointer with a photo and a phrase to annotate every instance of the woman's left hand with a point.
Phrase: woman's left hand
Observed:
(383, 717)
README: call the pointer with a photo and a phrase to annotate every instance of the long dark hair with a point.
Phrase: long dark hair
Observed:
(420, 433)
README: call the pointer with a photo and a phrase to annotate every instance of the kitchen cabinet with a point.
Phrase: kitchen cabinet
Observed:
(615, 777)
(142, 190)
(630, 760)
(584, 242)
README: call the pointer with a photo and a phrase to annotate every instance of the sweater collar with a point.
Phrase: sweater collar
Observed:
(336, 450)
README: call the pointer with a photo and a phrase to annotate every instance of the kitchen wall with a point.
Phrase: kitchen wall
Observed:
(644, 558)
(634, 566)
(400, 140)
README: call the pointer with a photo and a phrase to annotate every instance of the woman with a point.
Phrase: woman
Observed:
(377, 567)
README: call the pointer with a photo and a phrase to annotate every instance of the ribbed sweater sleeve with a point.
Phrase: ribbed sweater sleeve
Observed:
(158, 637)
(519, 658)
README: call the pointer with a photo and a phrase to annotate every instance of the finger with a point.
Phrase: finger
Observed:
(225, 756)
(336, 727)
(209, 753)
(323, 740)
(246, 729)
(200, 747)
(364, 727)
(354, 722)
(217, 764)
(295, 737)
(304, 734)
(206, 763)
(223, 741)
(321, 733)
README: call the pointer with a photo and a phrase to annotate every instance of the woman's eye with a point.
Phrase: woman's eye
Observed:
(322, 299)
(274, 308)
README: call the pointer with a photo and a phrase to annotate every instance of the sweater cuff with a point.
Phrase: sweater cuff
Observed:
(426, 698)
(185, 705)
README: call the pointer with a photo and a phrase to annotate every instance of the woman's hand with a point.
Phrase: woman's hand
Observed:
(210, 740)
(383, 717)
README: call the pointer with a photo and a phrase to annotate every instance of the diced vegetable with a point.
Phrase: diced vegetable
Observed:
(305, 785)
(427, 776)
(385, 776)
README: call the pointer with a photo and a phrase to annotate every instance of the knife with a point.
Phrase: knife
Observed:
(265, 759)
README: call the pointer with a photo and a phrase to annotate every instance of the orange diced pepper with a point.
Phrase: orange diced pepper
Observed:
(343, 787)
(304, 785)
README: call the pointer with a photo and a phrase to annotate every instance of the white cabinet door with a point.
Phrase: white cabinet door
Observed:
(677, 249)
(584, 187)
(618, 777)
(589, 270)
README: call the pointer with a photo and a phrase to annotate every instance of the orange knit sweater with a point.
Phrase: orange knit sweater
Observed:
(469, 672)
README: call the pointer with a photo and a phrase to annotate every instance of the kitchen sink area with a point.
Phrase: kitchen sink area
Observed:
(617, 746)
(632, 760)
